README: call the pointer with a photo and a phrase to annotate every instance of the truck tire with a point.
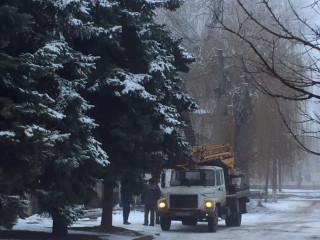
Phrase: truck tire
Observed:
(238, 215)
(229, 221)
(237, 219)
(165, 223)
(213, 222)
(234, 219)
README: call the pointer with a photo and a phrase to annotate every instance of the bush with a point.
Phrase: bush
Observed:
(11, 208)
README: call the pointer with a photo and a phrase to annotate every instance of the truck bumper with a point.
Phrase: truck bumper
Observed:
(180, 214)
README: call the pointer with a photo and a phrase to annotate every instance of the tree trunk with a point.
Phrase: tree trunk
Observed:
(267, 180)
(106, 219)
(59, 227)
(280, 182)
(188, 131)
(274, 180)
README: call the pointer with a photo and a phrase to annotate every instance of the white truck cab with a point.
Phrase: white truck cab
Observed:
(194, 195)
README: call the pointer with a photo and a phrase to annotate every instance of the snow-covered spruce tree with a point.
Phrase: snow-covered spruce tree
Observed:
(46, 136)
(137, 93)
(11, 180)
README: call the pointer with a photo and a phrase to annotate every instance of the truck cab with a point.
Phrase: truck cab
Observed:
(194, 195)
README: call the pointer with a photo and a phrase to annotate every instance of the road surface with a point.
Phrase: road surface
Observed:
(292, 220)
(293, 217)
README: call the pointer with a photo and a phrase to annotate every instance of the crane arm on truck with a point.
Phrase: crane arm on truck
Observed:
(206, 154)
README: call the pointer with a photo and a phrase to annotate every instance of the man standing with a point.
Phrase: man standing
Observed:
(149, 197)
(126, 200)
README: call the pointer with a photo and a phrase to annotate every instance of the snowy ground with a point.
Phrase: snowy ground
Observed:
(295, 216)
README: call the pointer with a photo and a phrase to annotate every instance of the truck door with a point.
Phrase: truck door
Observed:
(221, 187)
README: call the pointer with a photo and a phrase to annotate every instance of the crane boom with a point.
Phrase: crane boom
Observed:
(207, 153)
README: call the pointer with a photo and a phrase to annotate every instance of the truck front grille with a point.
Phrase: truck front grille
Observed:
(183, 201)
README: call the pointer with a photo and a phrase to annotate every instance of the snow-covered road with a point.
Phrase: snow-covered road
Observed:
(301, 223)
(286, 219)
(293, 217)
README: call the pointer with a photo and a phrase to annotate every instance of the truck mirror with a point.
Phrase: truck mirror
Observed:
(163, 180)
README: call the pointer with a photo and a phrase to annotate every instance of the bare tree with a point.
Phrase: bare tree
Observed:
(283, 50)
(191, 22)
(231, 109)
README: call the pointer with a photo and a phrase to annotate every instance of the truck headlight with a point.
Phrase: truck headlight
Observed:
(162, 205)
(209, 204)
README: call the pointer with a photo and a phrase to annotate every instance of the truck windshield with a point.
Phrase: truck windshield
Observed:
(197, 177)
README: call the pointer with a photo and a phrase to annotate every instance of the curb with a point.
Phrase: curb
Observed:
(146, 237)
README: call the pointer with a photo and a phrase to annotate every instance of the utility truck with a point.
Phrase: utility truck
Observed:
(204, 190)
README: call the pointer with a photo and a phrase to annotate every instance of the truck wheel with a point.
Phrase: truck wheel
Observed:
(229, 221)
(165, 223)
(237, 216)
(213, 222)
